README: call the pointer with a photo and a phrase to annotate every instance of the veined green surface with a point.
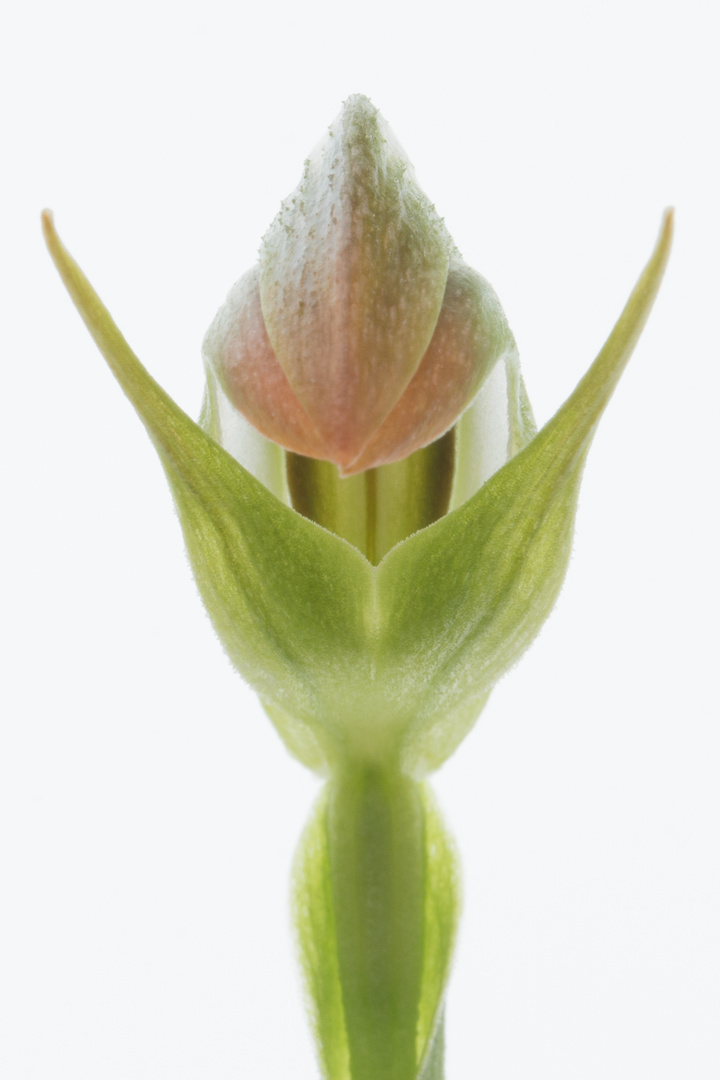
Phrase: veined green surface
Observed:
(376, 902)
(442, 906)
(292, 604)
(466, 597)
(315, 925)
(381, 663)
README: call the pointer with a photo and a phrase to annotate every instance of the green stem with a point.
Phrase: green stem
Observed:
(376, 899)
(376, 848)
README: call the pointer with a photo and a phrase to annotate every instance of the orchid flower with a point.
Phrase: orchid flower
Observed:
(378, 532)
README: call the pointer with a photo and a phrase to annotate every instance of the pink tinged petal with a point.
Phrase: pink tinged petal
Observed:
(239, 352)
(472, 334)
(352, 276)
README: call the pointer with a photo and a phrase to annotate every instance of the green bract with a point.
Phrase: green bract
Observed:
(386, 662)
(373, 612)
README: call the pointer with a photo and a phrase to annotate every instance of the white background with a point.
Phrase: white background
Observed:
(148, 813)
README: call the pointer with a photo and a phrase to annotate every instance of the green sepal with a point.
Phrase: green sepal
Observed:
(389, 663)
(288, 600)
(462, 600)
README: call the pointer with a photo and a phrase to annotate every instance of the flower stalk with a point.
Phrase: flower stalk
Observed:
(377, 905)
(378, 533)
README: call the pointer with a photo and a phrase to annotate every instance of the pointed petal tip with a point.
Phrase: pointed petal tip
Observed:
(58, 252)
(358, 107)
(667, 227)
(663, 244)
(47, 221)
(358, 99)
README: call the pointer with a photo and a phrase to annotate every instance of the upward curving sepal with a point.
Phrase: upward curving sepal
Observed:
(390, 663)
(464, 598)
(288, 600)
